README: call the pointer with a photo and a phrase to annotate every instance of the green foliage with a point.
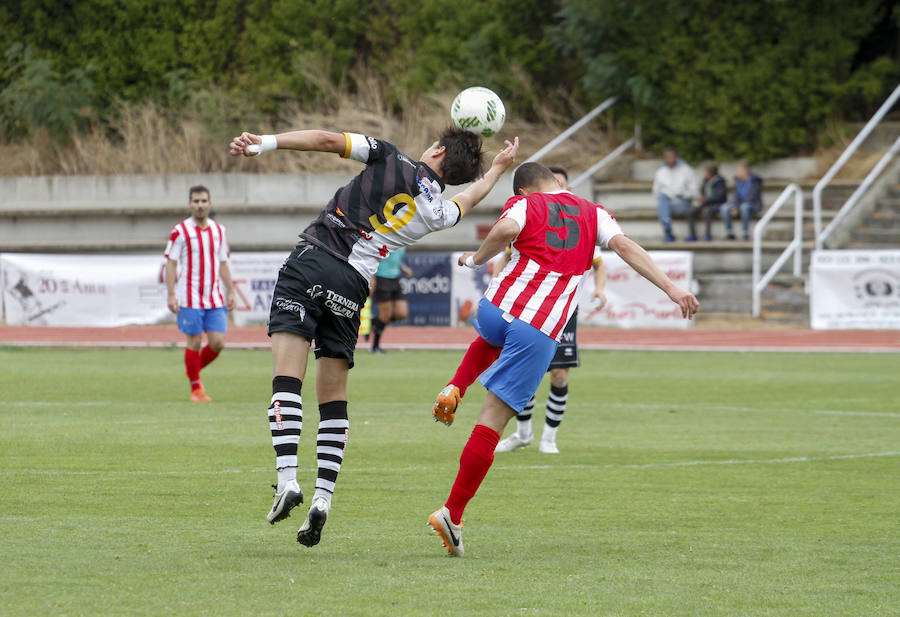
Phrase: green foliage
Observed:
(729, 80)
(36, 96)
(741, 79)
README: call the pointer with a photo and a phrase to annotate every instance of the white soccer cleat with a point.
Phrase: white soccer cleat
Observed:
(513, 442)
(548, 447)
(450, 534)
(310, 531)
(285, 500)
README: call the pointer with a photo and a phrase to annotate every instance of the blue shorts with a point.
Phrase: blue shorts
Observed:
(196, 321)
(527, 352)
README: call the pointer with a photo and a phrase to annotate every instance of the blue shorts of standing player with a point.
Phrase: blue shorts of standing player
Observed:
(194, 321)
(526, 355)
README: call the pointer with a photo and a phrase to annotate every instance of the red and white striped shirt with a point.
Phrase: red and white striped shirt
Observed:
(199, 253)
(555, 246)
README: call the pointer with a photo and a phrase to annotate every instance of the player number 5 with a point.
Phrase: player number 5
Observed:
(555, 238)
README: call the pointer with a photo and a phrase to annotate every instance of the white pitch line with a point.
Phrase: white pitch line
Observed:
(763, 461)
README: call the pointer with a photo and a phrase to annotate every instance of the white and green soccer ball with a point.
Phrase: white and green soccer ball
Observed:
(478, 110)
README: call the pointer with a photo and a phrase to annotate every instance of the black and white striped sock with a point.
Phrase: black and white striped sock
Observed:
(332, 441)
(523, 421)
(285, 423)
(556, 407)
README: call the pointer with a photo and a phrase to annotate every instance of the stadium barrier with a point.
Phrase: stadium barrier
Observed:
(855, 290)
(117, 290)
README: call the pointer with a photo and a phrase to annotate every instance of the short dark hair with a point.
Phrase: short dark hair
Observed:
(199, 188)
(463, 158)
(530, 175)
(670, 149)
(561, 171)
(713, 169)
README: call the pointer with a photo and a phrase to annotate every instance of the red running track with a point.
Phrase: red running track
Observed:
(404, 337)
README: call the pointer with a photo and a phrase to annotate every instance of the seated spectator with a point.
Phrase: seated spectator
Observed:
(747, 200)
(674, 186)
(713, 194)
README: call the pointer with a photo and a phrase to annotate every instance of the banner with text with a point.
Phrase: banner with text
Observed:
(427, 291)
(631, 300)
(83, 290)
(855, 290)
(254, 276)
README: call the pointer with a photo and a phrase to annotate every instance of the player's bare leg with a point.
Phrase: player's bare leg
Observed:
(215, 343)
(474, 463)
(334, 426)
(479, 357)
(289, 354)
(192, 365)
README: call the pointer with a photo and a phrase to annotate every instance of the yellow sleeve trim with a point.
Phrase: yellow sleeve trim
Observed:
(599, 260)
(347, 147)
(509, 249)
(460, 208)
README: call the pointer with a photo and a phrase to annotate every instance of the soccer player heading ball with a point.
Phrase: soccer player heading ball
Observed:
(524, 310)
(393, 202)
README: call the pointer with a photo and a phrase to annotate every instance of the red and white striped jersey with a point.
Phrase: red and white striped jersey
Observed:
(555, 246)
(199, 253)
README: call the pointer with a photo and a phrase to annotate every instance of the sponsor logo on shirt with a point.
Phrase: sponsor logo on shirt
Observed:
(315, 291)
(426, 190)
(335, 220)
(405, 159)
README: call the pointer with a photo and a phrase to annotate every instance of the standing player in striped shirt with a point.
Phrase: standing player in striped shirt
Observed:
(323, 284)
(196, 267)
(525, 309)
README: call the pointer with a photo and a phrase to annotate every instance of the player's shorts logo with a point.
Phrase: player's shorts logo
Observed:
(292, 306)
(315, 291)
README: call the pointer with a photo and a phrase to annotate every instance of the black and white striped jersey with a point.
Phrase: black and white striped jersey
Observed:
(393, 202)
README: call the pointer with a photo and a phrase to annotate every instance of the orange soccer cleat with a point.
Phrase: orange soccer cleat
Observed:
(198, 395)
(445, 405)
(450, 534)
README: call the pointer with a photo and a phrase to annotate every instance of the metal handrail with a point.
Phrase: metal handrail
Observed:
(858, 193)
(606, 160)
(836, 167)
(795, 247)
(596, 111)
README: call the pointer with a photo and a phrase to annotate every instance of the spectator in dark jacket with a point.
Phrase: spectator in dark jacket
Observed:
(712, 195)
(747, 200)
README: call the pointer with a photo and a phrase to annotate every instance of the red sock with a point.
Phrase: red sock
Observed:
(479, 357)
(474, 462)
(207, 355)
(192, 367)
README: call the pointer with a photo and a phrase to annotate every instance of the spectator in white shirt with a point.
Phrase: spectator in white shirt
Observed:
(674, 187)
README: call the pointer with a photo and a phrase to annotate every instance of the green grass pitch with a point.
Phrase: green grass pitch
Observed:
(688, 484)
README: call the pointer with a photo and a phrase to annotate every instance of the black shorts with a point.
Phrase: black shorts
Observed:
(318, 297)
(567, 351)
(387, 290)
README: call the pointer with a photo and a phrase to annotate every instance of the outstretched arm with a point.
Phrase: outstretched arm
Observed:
(470, 197)
(640, 260)
(249, 144)
(502, 233)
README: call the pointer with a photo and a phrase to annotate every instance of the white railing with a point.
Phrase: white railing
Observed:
(634, 141)
(858, 193)
(842, 160)
(596, 111)
(795, 247)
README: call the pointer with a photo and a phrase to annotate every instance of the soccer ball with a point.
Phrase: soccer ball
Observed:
(478, 110)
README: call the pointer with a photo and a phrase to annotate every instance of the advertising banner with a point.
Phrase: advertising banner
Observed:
(632, 300)
(427, 291)
(83, 290)
(254, 275)
(854, 290)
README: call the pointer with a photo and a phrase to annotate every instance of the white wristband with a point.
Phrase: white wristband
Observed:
(268, 142)
(470, 261)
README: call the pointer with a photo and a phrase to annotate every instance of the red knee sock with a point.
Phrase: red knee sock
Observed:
(479, 357)
(207, 355)
(474, 462)
(192, 367)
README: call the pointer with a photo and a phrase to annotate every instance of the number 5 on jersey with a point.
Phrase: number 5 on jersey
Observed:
(555, 238)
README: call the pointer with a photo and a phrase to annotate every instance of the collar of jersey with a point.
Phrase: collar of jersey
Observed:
(433, 175)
